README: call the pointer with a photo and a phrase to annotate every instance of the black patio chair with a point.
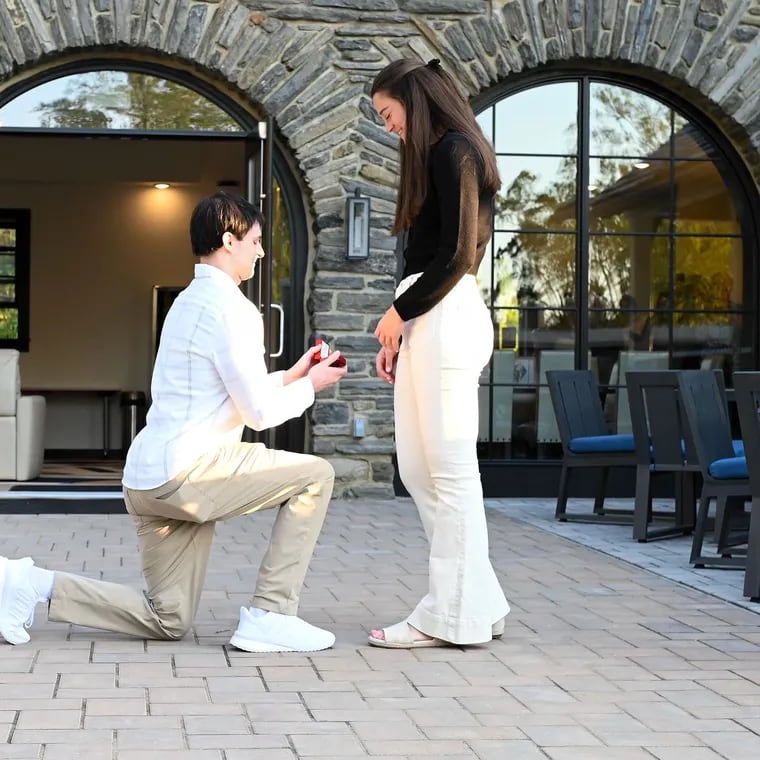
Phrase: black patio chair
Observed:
(724, 474)
(747, 394)
(663, 447)
(586, 441)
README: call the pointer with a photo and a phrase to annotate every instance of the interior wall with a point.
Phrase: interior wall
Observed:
(100, 242)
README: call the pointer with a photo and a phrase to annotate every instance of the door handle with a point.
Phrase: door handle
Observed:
(278, 353)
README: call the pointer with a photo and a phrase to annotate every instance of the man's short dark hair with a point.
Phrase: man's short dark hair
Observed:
(219, 213)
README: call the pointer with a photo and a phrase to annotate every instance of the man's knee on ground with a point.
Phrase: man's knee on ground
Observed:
(174, 618)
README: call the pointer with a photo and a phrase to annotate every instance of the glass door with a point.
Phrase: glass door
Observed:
(271, 287)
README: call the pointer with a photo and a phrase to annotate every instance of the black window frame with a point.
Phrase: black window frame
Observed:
(20, 220)
(737, 179)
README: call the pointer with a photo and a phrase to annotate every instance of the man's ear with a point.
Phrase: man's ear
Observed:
(227, 240)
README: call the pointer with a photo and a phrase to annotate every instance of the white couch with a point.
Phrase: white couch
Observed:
(22, 424)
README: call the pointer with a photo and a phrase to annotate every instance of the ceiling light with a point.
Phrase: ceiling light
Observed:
(162, 186)
(641, 165)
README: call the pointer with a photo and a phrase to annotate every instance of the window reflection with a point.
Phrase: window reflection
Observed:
(115, 100)
(534, 268)
(629, 195)
(485, 120)
(534, 189)
(539, 120)
(664, 254)
(626, 123)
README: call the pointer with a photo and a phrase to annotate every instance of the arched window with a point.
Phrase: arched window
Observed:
(131, 99)
(623, 238)
(97, 100)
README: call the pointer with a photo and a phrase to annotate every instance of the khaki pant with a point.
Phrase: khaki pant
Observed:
(175, 528)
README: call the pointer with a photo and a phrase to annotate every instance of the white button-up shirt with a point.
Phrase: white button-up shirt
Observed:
(209, 380)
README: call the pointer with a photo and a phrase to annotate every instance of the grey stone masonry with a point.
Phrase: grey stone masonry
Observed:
(310, 65)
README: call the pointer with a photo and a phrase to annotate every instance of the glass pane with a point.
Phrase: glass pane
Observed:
(743, 341)
(115, 100)
(7, 292)
(629, 195)
(7, 265)
(8, 323)
(542, 119)
(690, 142)
(485, 119)
(627, 123)
(535, 269)
(704, 273)
(281, 243)
(624, 271)
(7, 237)
(547, 329)
(706, 341)
(701, 196)
(536, 193)
(506, 322)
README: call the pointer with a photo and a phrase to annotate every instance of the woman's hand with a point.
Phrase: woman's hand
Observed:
(389, 329)
(385, 364)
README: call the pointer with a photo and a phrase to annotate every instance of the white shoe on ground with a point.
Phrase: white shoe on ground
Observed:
(18, 598)
(274, 632)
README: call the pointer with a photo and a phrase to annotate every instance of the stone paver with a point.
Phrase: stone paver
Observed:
(613, 650)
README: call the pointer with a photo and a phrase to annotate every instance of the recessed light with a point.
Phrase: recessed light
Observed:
(162, 186)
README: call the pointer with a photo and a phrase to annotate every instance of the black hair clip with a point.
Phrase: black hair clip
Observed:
(434, 63)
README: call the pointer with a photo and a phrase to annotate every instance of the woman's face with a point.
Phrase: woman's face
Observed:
(392, 112)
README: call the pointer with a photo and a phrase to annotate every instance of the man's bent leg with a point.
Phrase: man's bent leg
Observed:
(246, 478)
(294, 535)
(174, 556)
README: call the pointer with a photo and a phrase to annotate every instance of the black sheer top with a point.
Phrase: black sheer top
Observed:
(448, 238)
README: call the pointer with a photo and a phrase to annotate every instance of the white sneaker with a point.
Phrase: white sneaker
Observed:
(17, 599)
(274, 632)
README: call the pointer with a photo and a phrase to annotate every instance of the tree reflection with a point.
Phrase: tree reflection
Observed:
(632, 218)
(122, 100)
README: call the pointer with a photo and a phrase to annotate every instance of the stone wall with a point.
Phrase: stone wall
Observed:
(310, 63)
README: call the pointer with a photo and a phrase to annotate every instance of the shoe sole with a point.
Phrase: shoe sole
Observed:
(256, 647)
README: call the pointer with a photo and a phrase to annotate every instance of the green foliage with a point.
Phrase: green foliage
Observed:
(8, 237)
(539, 267)
(8, 323)
(119, 100)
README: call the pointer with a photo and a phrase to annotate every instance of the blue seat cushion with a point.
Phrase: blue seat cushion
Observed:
(738, 449)
(601, 444)
(732, 468)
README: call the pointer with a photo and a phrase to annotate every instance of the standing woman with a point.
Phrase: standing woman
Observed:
(448, 181)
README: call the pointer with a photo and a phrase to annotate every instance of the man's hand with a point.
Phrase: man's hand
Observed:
(389, 329)
(324, 374)
(385, 364)
(300, 368)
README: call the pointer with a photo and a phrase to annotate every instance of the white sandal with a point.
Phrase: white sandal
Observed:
(399, 636)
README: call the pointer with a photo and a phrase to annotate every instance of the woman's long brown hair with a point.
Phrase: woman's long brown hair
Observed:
(434, 104)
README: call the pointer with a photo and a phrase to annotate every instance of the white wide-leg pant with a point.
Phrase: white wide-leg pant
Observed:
(436, 417)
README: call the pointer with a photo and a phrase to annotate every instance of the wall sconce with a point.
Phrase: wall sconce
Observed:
(357, 227)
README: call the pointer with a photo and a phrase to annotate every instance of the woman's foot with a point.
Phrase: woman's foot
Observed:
(403, 636)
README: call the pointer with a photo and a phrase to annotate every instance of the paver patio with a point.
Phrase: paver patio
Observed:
(600, 658)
